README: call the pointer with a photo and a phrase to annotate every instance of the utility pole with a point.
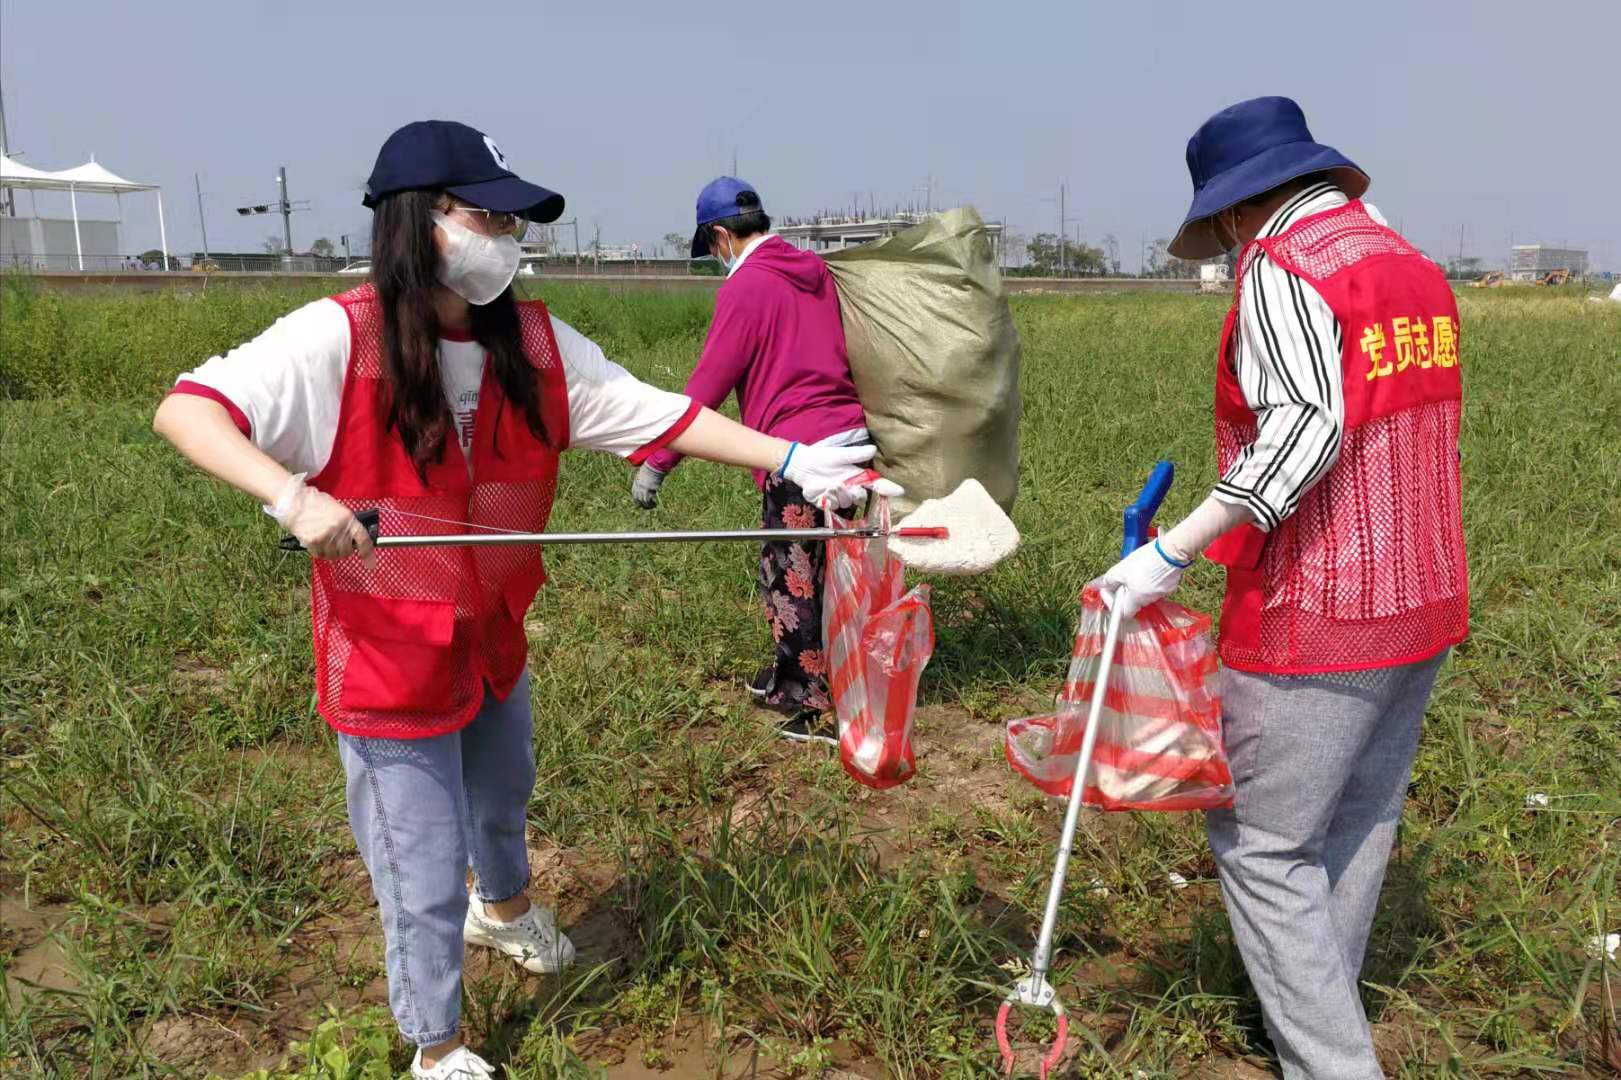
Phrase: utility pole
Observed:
(1063, 263)
(576, 224)
(283, 206)
(734, 161)
(8, 205)
(202, 222)
(286, 211)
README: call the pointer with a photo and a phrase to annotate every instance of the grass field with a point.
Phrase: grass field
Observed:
(181, 895)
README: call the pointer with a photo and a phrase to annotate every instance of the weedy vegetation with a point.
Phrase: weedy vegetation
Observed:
(181, 895)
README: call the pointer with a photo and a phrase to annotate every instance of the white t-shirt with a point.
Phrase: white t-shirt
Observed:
(286, 385)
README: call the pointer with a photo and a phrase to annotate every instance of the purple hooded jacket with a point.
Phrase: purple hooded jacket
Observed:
(778, 341)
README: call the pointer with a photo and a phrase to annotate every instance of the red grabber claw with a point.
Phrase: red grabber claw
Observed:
(1002, 1043)
(1034, 991)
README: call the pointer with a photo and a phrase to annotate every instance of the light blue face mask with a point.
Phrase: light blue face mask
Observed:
(728, 263)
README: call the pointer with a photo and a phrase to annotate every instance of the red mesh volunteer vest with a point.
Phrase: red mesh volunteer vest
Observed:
(1369, 571)
(403, 650)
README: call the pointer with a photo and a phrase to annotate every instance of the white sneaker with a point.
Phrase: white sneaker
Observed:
(532, 939)
(460, 1064)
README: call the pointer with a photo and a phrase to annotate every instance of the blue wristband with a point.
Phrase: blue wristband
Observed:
(782, 473)
(1167, 558)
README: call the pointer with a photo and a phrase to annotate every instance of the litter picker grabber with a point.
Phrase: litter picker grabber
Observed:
(370, 519)
(1034, 991)
(965, 533)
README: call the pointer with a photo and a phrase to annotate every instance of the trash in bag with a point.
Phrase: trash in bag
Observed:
(1159, 735)
(935, 357)
(879, 638)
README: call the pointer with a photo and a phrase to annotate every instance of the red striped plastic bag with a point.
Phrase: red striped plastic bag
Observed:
(879, 639)
(1159, 735)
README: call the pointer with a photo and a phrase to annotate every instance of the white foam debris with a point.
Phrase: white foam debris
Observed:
(1609, 945)
(981, 535)
(1536, 800)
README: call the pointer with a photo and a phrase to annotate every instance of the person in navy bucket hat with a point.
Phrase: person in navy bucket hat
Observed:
(1337, 517)
(1248, 149)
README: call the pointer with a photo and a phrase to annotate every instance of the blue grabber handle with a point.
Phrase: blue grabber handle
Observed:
(1140, 514)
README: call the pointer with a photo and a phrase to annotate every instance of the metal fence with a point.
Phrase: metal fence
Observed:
(127, 264)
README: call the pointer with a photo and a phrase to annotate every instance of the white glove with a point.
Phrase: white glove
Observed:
(326, 527)
(834, 475)
(644, 490)
(1144, 576)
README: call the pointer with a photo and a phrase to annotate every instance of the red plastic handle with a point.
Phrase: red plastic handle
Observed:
(924, 532)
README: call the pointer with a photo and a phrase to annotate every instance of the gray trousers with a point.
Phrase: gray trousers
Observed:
(423, 811)
(1320, 769)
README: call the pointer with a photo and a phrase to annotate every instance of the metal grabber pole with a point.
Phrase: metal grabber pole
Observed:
(370, 519)
(1034, 990)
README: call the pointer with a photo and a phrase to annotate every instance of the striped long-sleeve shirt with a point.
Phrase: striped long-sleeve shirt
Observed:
(1287, 358)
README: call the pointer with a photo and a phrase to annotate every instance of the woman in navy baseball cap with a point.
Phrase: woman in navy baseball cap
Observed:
(434, 394)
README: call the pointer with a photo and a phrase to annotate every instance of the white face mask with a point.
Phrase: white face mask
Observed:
(475, 267)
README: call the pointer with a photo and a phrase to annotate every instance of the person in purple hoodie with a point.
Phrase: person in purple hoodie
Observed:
(777, 341)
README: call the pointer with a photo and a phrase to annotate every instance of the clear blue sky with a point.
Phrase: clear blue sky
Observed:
(1498, 116)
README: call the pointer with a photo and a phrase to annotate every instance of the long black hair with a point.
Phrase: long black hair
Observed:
(403, 263)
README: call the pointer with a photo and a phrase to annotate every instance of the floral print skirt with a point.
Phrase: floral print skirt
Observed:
(790, 587)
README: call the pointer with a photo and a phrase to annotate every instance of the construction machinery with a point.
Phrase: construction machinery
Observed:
(1491, 279)
(1555, 277)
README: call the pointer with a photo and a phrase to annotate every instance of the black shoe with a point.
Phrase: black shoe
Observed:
(808, 725)
(761, 686)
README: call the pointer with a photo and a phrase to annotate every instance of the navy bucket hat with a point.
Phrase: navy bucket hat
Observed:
(1246, 150)
(716, 201)
(461, 160)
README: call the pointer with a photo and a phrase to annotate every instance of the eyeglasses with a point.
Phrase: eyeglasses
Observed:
(497, 222)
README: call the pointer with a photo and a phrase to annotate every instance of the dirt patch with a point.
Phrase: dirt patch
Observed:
(35, 960)
(1398, 1041)
(197, 671)
(692, 1054)
(1236, 1069)
(336, 959)
(197, 1042)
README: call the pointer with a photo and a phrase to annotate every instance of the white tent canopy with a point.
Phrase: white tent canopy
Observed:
(16, 174)
(89, 177)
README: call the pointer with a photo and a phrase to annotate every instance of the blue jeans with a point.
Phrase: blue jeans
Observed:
(423, 811)
(1320, 770)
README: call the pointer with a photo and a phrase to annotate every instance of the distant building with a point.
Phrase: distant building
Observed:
(1528, 262)
(41, 243)
(1213, 275)
(835, 232)
(539, 243)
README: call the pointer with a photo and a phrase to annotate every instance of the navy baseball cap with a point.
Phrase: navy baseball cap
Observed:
(461, 160)
(718, 200)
